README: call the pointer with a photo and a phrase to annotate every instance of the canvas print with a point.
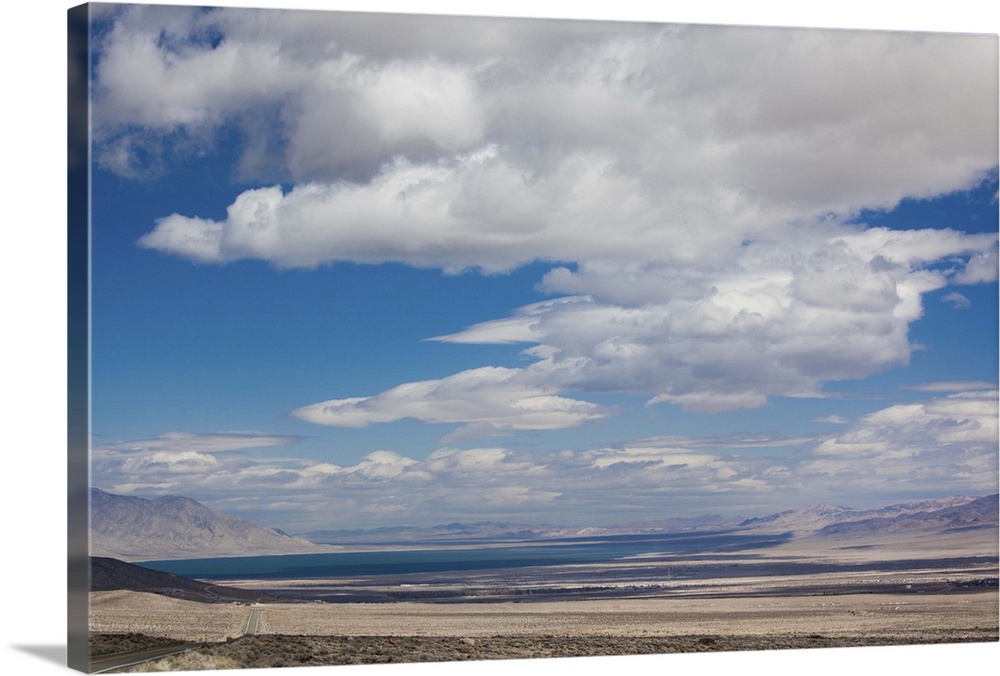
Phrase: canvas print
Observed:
(423, 338)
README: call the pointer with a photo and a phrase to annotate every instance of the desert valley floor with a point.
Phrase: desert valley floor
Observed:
(809, 592)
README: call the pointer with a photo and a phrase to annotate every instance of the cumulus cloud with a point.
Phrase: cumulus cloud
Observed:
(940, 445)
(429, 215)
(775, 320)
(675, 138)
(697, 187)
(982, 267)
(160, 463)
(382, 464)
(912, 448)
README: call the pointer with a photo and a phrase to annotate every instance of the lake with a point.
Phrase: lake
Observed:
(553, 552)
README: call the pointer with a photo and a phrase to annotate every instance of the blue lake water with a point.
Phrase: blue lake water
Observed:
(553, 553)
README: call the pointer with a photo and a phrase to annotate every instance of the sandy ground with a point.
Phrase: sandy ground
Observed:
(842, 615)
(123, 612)
(643, 617)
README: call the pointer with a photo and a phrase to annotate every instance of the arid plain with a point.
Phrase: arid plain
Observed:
(809, 592)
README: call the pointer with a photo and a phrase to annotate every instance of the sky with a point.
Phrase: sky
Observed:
(355, 270)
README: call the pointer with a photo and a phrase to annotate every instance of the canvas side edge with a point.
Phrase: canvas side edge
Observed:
(78, 336)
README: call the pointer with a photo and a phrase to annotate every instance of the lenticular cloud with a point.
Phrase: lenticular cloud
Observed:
(505, 398)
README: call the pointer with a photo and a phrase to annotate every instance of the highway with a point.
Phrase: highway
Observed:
(253, 622)
(103, 663)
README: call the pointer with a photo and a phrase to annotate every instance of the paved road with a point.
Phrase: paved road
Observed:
(107, 662)
(253, 622)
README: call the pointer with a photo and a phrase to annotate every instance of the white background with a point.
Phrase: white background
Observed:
(33, 326)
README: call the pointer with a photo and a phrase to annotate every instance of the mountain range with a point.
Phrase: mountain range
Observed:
(174, 527)
(976, 513)
(494, 531)
(950, 512)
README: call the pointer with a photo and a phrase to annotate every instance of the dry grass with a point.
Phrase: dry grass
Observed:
(842, 615)
(289, 651)
(109, 644)
(122, 612)
(190, 661)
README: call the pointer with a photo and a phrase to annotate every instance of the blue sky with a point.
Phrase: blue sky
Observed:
(353, 271)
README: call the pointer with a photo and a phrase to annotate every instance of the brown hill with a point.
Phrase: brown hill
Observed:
(107, 574)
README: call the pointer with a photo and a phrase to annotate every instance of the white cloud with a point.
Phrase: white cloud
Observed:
(909, 448)
(982, 267)
(170, 461)
(174, 462)
(420, 214)
(145, 80)
(832, 419)
(774, 319)
(426, 100)
(955, 386)
(498, 397)
(701, 182)
(476, 460)
(956, 300)
(382, 464)
(612, 141)
(943, 445)
(218, 442)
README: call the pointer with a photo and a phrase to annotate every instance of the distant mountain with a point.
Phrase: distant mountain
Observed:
(809, 518)
(950, 512)
(681, 524)
(495, 531)
(977, 513)
(174, 527)
(108, 574)
(484, 530)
